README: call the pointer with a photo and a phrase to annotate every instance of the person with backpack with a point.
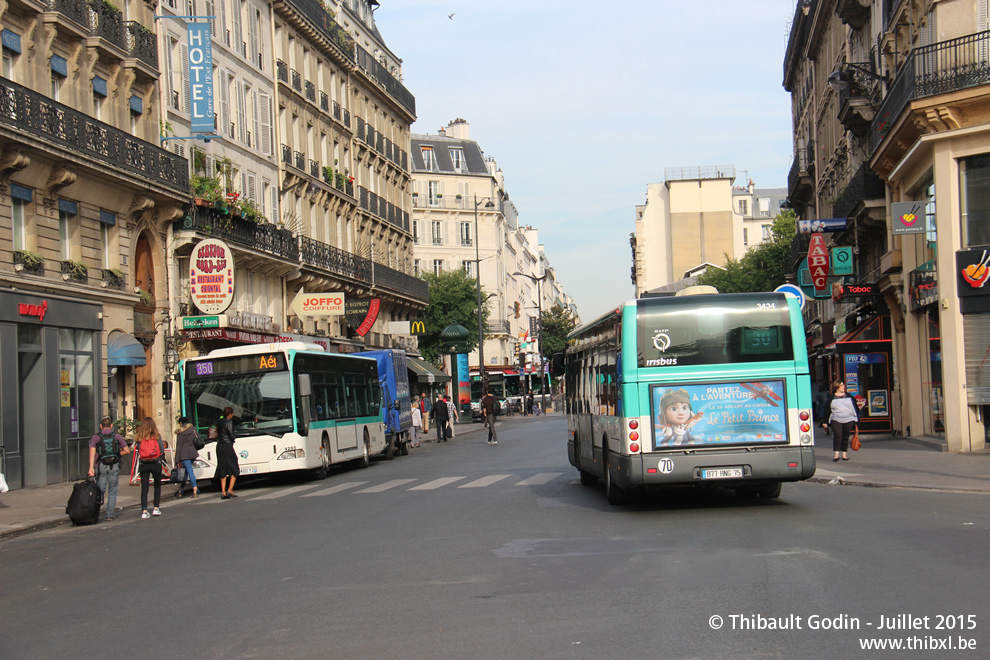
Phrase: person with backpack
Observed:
(151, 452)
(426, 407)
(489, 408)
(441, 417)
(105, 450)
(227, 466)
(187, 444)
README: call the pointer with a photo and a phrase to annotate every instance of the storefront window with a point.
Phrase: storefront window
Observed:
(975, 189)
(868, 382)
(935, 424)
(77, 383)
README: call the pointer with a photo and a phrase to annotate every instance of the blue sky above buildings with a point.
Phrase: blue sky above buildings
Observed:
(584, 103)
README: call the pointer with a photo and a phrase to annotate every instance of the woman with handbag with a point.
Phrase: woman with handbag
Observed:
(186, 452)
(843, 418)
(227, 465)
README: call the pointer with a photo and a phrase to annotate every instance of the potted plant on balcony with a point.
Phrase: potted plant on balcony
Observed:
(32, 262)
(328, 175)
(146, 298)
(251, 212)
(74, 270)
(206, 190)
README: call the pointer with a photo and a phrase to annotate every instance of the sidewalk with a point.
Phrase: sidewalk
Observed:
(884, 461)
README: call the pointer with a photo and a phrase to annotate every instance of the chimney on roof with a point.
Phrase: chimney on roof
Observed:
(442, 132)
(459, 129)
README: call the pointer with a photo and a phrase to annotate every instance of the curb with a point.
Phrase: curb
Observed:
(873, 484)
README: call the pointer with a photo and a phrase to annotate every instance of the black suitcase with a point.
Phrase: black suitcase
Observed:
(84, 503)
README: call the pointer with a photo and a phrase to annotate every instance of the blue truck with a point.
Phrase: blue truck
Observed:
(397, 408)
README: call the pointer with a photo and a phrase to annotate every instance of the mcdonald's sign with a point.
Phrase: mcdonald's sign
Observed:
(417, 328)
(407, 327)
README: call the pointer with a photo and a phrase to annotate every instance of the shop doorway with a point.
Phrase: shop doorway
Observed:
(33, 432)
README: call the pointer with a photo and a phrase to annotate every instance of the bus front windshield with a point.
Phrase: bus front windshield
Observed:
(261, 402)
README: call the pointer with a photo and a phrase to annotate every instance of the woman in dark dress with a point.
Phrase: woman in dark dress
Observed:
(227, 466)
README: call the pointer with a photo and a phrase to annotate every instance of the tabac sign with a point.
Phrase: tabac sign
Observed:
(211, 276)
(818, 262)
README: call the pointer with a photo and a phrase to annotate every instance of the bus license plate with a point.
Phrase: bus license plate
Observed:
(254, 470)
(722, 473)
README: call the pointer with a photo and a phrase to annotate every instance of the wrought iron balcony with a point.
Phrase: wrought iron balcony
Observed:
(300, 160)
(142, 43)
(286, 154)
(113, 279)
(310, 92)
(314, 169)
(35, 116)
(346, 121)
(334, 260)
(263, 237)
(858, 99)
(282, 71)
(864, 185)
(314, 12)
(940, 68)
(74, 271)
(77, 10)
(107, 22)
(296, 80)
(324, 102)
(336, 111)
(497, 327)
(29, 262)
(799, 181)
(377, 71)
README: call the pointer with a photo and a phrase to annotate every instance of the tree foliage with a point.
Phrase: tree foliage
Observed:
(761, 269)
(557, 323)
(453, 299)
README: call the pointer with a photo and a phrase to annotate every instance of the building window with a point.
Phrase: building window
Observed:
(429, 162)
(437, 266)
(415, 229)
(105, 245)
(433, 192)
(466, 234)
(764, 207)
(437, 232)
(745, 236)
(743, 207)
(64, 235)
(975, 190)
(56, 86)
(457, 158)
(767, 232)
(468, 267)
(417, 269)
(17, 213)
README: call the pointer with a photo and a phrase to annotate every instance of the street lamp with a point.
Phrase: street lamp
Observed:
(539, 329)
(477, 275)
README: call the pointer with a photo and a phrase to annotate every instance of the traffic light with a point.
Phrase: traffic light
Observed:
(522, 363)
(517, 349)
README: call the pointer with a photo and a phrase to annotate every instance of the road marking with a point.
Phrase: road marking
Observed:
(539, 479)
(203, 499)
(486, 481)
(385, 486)
(437, 483)
(336, 489)
(285, 491)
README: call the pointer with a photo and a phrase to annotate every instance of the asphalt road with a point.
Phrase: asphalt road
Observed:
(465, 550)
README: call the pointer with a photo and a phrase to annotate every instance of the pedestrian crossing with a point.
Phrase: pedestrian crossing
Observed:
(367, 487)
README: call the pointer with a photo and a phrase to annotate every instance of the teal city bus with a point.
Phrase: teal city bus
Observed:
(296, 407)
(699, 388)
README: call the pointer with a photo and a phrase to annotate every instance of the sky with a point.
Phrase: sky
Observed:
(582, 104)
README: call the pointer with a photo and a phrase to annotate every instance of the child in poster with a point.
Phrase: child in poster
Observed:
(678, 418)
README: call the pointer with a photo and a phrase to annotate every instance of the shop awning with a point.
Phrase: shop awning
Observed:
(123, 350)
(425, 372)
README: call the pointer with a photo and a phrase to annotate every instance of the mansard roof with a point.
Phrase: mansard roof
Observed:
(474, 158)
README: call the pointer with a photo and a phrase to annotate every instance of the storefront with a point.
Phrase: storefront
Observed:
(50, 387)
(864, 362)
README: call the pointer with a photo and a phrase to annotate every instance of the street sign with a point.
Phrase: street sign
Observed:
(318, 304)
(793, 290)
(907, 217)
(818, 262)
(194, 322)
(817, 226)
(842, 261)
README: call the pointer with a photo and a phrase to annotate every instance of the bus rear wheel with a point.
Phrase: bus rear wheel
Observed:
(613, 493)
(770, 492)
(365, 459)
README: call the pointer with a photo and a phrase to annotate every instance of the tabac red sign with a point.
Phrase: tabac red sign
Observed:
(818, 262)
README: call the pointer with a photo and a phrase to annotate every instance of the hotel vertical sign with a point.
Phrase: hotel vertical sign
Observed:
(200, 76)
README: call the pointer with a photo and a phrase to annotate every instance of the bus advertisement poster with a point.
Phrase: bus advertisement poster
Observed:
(735, 412)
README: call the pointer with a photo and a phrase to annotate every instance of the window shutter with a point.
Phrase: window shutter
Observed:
(253, 31)
(255, 123)
(170, 64)
(241, 112)
(236, 20)
(224, 109)
(244, 184)
(224, 34)
(209, 12)
(187, 100)
(274, 217)
(265, 135)
(250, 192)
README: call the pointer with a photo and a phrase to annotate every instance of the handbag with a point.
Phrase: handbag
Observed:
(177, 475)
(854, 443)
(198, 442)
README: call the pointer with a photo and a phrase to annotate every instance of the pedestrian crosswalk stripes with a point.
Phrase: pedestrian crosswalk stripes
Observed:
(485, 481)
(539, 479)
(275, 492)
(388, 485)
(437, 483)
(336, 489)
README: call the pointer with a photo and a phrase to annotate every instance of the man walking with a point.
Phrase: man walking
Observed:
(441, 417)
(452, 414)
(109, 446)
(488, 410)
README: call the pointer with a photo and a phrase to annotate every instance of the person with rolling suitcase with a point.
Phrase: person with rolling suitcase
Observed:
(84, 503)
(105, 450)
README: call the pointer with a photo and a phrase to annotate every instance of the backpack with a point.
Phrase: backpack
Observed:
(84, 503)
(107, 448)
(496, 407)
(150, 451)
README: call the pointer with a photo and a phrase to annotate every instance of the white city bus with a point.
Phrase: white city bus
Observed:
(296, 407)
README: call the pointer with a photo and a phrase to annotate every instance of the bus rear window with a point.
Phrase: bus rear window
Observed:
(700, 330)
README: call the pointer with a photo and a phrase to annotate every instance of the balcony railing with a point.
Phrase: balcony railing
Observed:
(300, 160)
(932, 70)
(107, 22)
(334, 260)
(296, 80)
(287, 154)
(324, 102)
(77, 10)
(450, 203)
(864, 185)
(314, 12)
(142, 43)
(804, 158)
(497, 327)
(264, 237)
(282, 71)
(310, 92)
(314, 169)
(39, 117)
(112, 280)
(378, 72)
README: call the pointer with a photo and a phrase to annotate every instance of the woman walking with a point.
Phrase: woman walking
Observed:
(185, 453)
(843, 418)
(417, 423)
(227, 466)
(151, 450)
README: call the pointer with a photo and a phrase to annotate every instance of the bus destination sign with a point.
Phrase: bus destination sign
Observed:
(238, 364)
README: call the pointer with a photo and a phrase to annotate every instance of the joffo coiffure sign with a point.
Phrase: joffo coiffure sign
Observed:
(211, 276)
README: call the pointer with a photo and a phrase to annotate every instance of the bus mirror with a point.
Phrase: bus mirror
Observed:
(305, 386)
(557, 365)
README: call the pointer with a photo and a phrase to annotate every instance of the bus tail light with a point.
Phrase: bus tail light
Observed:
(805, 439)
(805, 427)
(634, 423)
(634, 436)
(805, 415)
(634, 447)
(291, 453)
